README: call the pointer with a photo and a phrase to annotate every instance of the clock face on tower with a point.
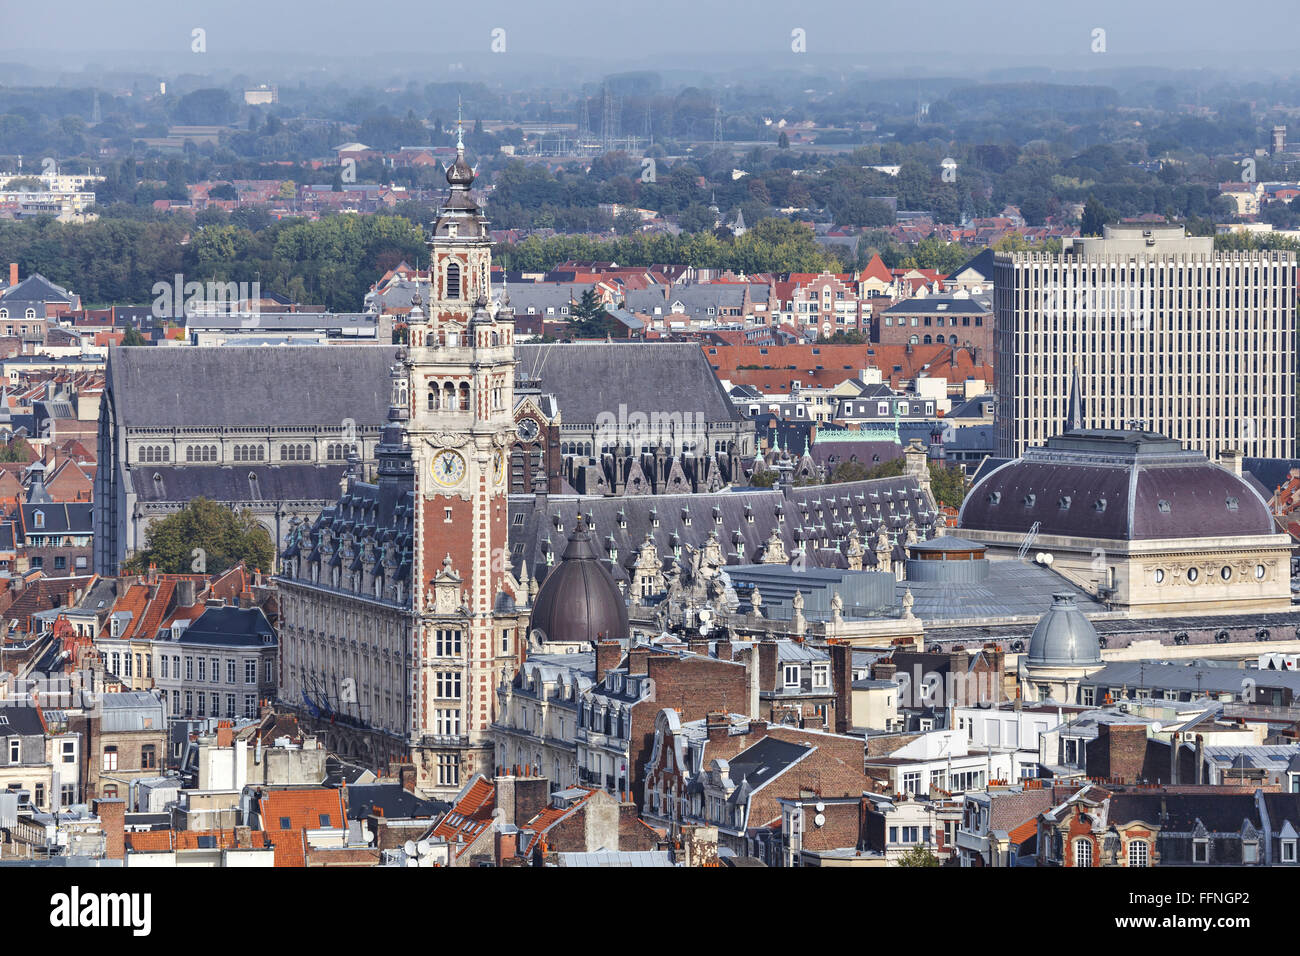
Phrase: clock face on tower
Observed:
(500, 462)
(448, 468)
(527, 429)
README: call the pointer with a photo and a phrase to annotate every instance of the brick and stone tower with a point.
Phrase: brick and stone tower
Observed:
(470, 612)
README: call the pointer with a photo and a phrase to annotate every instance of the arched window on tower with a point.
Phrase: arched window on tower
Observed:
(433, 398)
(448, 396)
(464, 396)
(453, 280)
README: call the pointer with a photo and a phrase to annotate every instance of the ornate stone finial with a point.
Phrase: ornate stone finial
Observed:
(799, 625)
(446, 563)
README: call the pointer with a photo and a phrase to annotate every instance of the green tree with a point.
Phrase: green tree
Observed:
(948, 484)
(764, 479)
(1095, 215)
(133, 337)
(848, 471)
(918, 856)
(589, 317)
(203, 536)
(783, 141)
(17, 450)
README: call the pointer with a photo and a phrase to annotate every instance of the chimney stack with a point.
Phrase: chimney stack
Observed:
(13, 273)
(608, 656)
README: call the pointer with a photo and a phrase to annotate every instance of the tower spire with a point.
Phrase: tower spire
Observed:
(460, 128)
(1074, 420)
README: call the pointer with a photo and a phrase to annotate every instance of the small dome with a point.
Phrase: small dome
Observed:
(1063, 637)
(459, 173)
(579, 600)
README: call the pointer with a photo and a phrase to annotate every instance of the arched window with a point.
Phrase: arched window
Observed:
(952, 340)
(1082, 852)
(453, 280)
(4, 313)
(464, 396)
(30, 314)
(38, 519)
(189, 452)
(927, 340)
(433, 398)
(448, 396)
(1137, 853)
(914, 340)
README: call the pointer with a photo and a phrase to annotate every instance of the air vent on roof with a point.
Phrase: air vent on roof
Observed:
(1164, 507)
(1099, 505)
(1064, 503)
(1232, 504)
(1029, 500)
(995, 497)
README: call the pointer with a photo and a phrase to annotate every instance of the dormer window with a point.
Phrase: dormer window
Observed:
(1029, 500)
(1163, 506)
(995, 497)
(38, 519)
(1231, 503)
(1099, 505)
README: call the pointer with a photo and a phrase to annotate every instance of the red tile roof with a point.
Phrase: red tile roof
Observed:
(469, 816)
(162, 841)
(306, 808)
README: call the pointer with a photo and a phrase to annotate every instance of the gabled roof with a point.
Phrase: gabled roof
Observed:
(469, 816)
(207, 386)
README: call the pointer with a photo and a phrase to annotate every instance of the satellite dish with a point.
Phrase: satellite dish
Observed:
(704, 628)
(706, 614)
(409, 847)
(820, 820)
(821, 807)
(1156, 727)
(422, 847)
(1048, 559)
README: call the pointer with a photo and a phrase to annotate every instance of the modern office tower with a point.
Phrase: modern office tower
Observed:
(1168, 336)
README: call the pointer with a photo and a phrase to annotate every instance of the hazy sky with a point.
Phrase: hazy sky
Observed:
(975, 35)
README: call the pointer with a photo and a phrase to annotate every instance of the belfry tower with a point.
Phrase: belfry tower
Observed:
(470, 612)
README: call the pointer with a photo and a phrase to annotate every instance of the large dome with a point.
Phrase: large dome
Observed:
(1063, 637)
(579, 600)
(1118, 485)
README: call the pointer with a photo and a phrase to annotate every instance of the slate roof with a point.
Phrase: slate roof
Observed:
(624, 522)
(1180, 812)
(591, 379)
(395, 802)
(229, 627)
(60, 518)
(205, 387)
(762, 763)
(20, 720)
(1117, 485)
(981, 263)
(35, 288)
(938, 305)
(299, 481)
